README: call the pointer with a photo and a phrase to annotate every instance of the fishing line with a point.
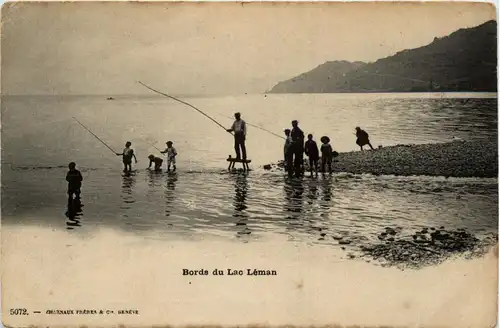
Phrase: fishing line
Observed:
(185, 103)
(258, 127)
(114, 152)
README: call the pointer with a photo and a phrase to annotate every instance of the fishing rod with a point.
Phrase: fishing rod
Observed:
(185, 103)
(114, 152)
(258, 127)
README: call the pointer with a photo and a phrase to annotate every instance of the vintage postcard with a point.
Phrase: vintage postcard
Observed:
(233, 164)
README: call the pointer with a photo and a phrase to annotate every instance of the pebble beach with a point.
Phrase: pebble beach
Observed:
(452, 159)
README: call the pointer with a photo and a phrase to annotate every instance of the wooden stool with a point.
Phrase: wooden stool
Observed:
(232, 161)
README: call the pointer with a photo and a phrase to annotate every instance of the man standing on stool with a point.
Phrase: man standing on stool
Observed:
(240, 130)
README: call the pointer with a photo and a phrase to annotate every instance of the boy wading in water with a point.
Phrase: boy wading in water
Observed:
(362, 138)
(311, 151)
(127, 154)
(288, 152)
(74, 178)
(326, 154)
(158, 162)
(171, 153)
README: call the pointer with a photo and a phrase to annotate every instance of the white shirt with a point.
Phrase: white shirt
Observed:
(170, 152)
(240, 126)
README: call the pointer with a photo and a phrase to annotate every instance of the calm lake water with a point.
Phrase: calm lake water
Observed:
(202, 200)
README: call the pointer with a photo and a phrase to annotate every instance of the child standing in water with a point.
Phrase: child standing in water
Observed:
(74, 178)
(326, 154)
(171, 153)
(311, 151)
(127, 154)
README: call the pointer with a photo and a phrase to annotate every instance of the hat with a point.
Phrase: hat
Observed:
(325, 139)
(169, 142)
(295, 121)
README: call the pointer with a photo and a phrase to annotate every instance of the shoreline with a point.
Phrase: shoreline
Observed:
(462, 159)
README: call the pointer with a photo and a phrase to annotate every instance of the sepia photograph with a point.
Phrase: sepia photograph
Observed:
(249, 164)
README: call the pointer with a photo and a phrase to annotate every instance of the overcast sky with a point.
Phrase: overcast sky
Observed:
(205, 48)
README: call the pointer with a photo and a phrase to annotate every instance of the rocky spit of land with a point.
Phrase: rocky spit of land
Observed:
(428, 246)
(452, 159)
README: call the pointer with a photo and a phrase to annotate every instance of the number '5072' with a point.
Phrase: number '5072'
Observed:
(18, 312)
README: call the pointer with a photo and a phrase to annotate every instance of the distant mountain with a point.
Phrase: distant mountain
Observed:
(466, 60)
(320, 79)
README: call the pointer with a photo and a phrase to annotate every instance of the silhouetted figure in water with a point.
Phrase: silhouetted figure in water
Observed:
(326, 154)
(311, 150)
(127, 154)
(171, 153)
(298, 147)
(288, 152)
(362, 138)
(74, 178)
(157, 161)
(240, 131)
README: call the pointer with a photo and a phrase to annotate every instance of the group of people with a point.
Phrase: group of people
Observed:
(295, 148)
(171, 153)
(74, 177)
(128, 154)
(294, 151)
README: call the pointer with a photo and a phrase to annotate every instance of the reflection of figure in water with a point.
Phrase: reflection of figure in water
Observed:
(240, 188)
(326, 191)
(127, 154)
(294, 190)
(313, 191)
(169, 193)
(73, 213)
(362, 138)
(128, 182)
(74, 178)
(156, 160)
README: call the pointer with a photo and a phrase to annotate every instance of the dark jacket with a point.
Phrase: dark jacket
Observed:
(298, 138)
(74, 178)
(326, 151)
(362, 137)
(311, 149)
(157, 161)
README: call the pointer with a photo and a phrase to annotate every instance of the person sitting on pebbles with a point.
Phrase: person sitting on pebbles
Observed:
(362, 138)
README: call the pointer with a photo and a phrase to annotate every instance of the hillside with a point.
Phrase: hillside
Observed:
(465, 60)
(320, 79)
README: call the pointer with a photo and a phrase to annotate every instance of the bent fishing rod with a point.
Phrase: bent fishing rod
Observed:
(92, 133)
(185, 103)
(164, 94)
